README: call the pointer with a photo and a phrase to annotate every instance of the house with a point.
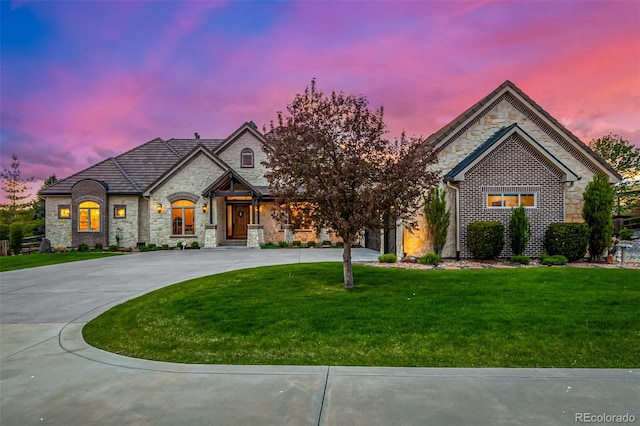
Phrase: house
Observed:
(502, 152)
(212, 191)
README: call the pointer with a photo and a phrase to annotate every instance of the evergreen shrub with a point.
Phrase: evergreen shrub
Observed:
(485, 239)
(568, 239)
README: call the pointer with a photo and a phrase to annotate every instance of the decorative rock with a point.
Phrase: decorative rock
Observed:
(410, 259)
(45, 246)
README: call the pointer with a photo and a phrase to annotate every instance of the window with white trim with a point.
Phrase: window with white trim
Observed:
(511, 199)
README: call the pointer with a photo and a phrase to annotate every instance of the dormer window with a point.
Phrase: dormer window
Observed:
(246, 158)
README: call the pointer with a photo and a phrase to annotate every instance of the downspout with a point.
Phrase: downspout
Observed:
(457, 191)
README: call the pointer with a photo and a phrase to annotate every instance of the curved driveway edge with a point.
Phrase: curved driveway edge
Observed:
(48, 374)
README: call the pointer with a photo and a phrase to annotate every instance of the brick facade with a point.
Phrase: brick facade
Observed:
(511, 168)
(90, 190)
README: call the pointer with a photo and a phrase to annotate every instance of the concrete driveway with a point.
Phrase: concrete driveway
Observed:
(49, 375)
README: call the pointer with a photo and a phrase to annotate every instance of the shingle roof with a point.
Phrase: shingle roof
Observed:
(135, 170)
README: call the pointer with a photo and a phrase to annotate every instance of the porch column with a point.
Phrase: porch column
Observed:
(255, 235)
(210, 236)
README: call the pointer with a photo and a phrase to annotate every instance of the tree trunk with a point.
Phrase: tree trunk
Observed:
(346, 265)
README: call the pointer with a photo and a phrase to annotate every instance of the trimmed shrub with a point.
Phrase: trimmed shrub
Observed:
(326, 243)
(568, 239)
(16, 236)
(311, 243)
(296, 243)
(437, 216)
(340, 244)
(283, 244)
(113, 247)
(558, 259)
(83, 247)
(165, 247)
(195, 245)
(519, 230)
(523, 260)
(485, 239)
(388, 258)
(97, 247)
(268, 245)
(429, 259)
(597, 213)
(145, 248)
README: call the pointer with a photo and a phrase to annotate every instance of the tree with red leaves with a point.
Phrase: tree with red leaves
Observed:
(329, 164)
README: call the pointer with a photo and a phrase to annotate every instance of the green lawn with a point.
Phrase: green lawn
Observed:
(302, 315)
(10, 263)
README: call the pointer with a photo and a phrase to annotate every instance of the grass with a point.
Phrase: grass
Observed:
(302, 315)
(11, 263)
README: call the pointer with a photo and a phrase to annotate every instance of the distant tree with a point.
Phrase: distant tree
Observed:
(16, 236)
(330, 165)
(437, 216)
(519, 230)
(597, 213)
(39, 208)
(15, 187)
(625, 159)
(39, 203)
(619, 153)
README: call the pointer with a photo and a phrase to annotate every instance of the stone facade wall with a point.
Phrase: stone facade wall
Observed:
(144, 215)
(58, 231)
(194, 179)
(126, 227)
(90, 190)
(231, 156)
(503, 112)
(274, 231)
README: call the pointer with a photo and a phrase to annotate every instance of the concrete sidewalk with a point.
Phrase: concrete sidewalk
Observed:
(49, 375)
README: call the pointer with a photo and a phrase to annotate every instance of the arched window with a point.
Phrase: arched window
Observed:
(89, 216)
(246, 158)
(182, 217)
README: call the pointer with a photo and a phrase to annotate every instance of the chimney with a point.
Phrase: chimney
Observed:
(197, 135)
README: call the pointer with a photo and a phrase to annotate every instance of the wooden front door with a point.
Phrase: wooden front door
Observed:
(240, 221)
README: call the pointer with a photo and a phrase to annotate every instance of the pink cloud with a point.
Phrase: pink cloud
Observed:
(173, 73)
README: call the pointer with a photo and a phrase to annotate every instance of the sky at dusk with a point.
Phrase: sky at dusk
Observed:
(81, 81)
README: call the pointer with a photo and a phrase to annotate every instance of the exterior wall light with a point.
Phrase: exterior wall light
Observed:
(204, 208)
(159, 207)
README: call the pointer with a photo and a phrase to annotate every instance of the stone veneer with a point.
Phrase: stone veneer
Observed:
(127, 227)
(504, 112)
(231, 156)
(193, 179)
(58, 231)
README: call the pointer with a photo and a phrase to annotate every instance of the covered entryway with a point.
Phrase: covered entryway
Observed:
(235, 217)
